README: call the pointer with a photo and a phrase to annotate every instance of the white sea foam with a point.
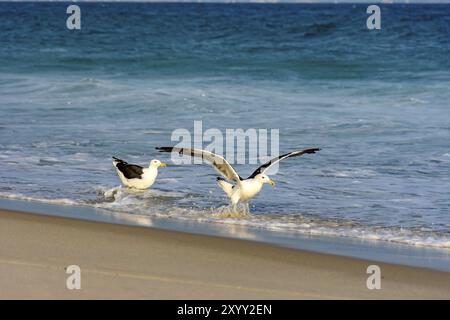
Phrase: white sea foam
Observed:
(347, 173)
(156, 204)
(60, 201)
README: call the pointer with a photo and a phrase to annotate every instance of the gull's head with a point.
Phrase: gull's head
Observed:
(264, 179)
(157, 164)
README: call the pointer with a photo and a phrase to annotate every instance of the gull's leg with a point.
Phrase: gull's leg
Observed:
(247, 208)
(236, 206)
(235, 199)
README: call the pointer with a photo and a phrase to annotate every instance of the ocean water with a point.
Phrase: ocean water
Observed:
(376, 102)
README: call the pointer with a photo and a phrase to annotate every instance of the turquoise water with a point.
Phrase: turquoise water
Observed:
(375, 102)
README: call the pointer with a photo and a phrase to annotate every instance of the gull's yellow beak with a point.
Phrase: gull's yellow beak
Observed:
(272, 183)
(163, 164)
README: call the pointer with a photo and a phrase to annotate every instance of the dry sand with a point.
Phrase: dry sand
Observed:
(143, 263)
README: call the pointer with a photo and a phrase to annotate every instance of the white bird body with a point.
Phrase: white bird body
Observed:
(147, 180)
(244, 189)
(137, 177)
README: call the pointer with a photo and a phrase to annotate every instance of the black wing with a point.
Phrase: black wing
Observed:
(267, 165)
(130, 171)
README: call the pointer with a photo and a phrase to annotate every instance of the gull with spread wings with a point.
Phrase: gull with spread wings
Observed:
(243, 190)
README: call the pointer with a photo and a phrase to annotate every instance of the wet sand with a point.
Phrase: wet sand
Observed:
(126, 262)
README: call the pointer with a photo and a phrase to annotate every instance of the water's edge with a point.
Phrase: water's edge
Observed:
(373, 250)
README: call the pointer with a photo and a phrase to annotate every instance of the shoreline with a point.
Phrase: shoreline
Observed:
(375, 250)
(119, 261)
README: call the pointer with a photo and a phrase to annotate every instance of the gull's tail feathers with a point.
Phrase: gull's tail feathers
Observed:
(117, 161)
(226, 186)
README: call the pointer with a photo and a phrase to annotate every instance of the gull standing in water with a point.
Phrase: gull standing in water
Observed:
(243, 190)
(134, 176)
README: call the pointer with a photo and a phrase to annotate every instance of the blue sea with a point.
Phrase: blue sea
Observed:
(376, 102)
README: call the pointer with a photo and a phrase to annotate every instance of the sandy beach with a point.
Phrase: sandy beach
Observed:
(257, 84)
(142, 263)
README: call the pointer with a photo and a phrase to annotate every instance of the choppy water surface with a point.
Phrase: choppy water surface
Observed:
(377, 103)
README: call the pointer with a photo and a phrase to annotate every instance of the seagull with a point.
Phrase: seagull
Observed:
(243, 190)
(134, 176)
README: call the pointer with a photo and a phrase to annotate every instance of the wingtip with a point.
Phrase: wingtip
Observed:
(313, 150)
